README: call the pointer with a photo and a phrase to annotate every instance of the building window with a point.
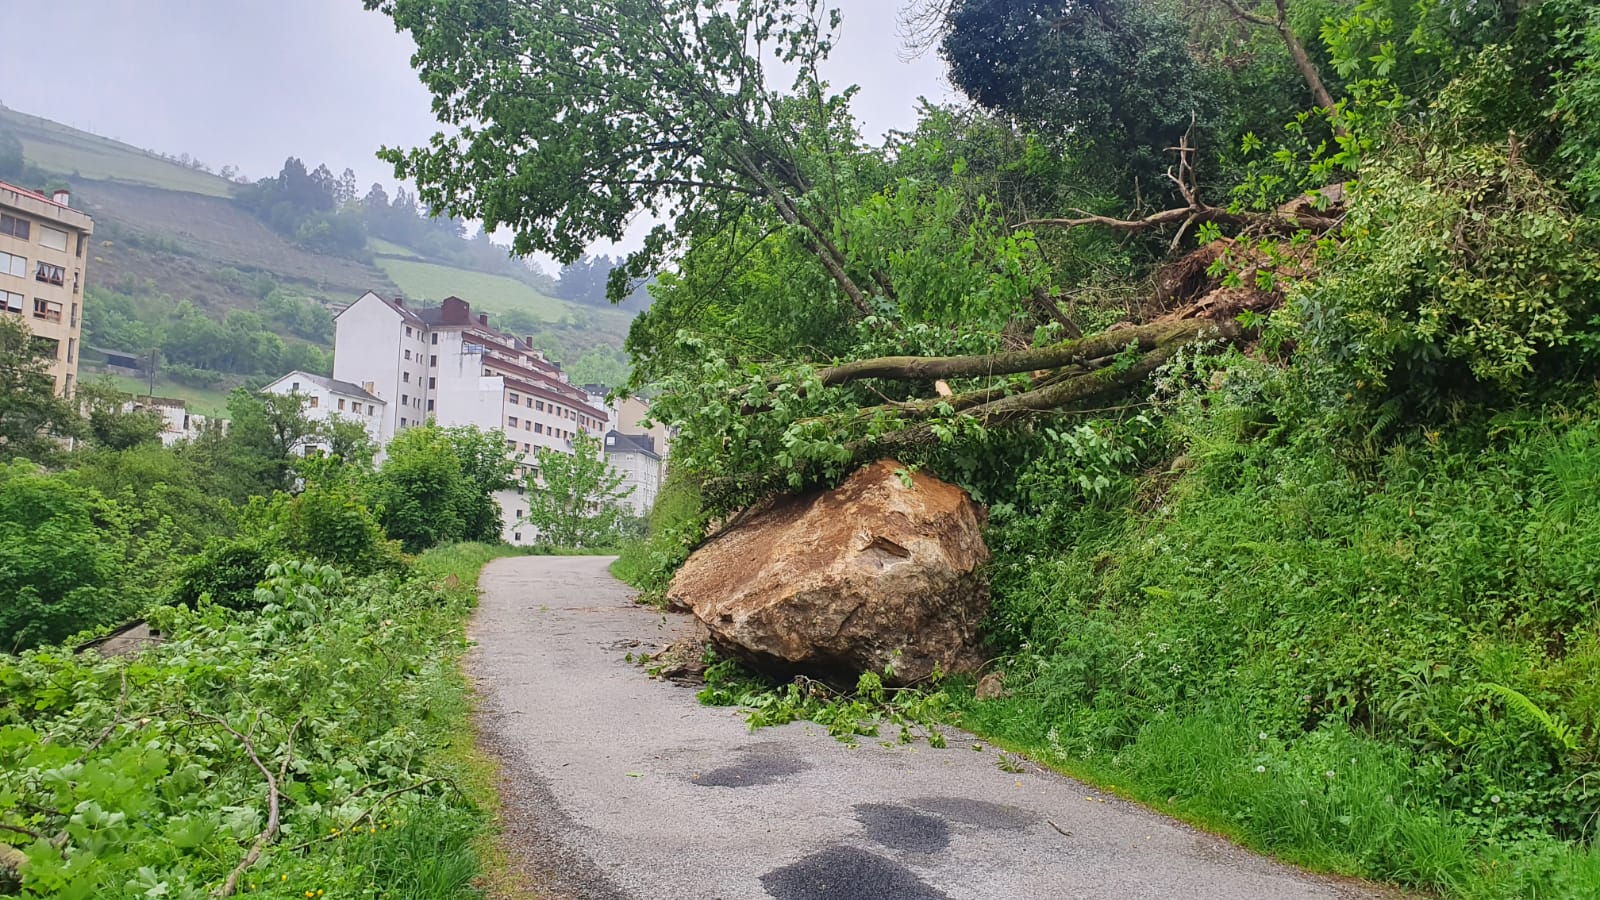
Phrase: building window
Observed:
(511, 445)
(539, 406)
(517, 536)
(13, 265)
(434, 338)
(519, 513)
(433, 361)
(20, 228)
(430, 406)
(294, 386)
(408, 334)
(512, 420)
(432, 383)
(48, 310)
(521, 489)
(341, 404)
(11, 302)
(527, 447)
(53, 238)
(72, 349)
(50, 274)
(408, 352)
(74, 315)
(402, 421)
(515, 400)
(537, 428)
(82, 239)
(406, 377)
(315, 401)
(47, 347)
(371, 410)
(404, 400)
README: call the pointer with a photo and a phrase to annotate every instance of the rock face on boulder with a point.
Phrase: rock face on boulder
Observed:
(877, 574)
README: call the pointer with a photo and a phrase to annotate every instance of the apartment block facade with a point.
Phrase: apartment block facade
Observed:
(448, 365)
(43, 252)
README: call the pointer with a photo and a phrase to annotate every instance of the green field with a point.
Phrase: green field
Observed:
(491, 293)
(201, 401)
(57, 148)
(389, 248)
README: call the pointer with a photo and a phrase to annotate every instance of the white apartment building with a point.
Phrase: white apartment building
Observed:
(634, 457)
(448, 365)
(328, 398)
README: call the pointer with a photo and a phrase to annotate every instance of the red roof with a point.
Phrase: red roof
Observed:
(34, 194)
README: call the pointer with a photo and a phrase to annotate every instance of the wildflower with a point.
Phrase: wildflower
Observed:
(1261, 736)
(1303, 802)
(1260, 769)
(1328, 773)
(1495, 799)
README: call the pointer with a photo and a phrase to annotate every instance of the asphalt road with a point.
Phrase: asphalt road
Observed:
(615, 785)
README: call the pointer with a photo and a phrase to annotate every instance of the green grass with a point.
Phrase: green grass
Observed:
(379, 245)
(59, 148)
(492, 293)
(201, 401)
(675, 523)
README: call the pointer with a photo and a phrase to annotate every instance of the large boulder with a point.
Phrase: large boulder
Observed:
(884, 573)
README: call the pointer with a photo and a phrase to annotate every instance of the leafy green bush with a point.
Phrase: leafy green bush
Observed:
(1458, 263)
(57, 574)
(327, 522)
(227, 572)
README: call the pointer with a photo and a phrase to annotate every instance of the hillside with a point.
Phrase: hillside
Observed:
(169, 235)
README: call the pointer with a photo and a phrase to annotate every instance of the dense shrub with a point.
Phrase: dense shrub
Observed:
(1459, 264)
(57, 574)
(227, 573)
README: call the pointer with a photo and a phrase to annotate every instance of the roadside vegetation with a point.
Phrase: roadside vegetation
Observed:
(302, 726)
(1267, 336)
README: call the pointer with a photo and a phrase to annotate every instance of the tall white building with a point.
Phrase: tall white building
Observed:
(448, 365)
(634, 456)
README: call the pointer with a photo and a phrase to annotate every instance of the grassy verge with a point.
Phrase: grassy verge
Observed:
(140, 777)
(676, 521)
(1382, 669)
(477, 772)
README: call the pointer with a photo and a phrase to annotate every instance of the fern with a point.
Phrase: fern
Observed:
(1557, 730)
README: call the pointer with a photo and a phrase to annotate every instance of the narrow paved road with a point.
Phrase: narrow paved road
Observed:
(616, 785)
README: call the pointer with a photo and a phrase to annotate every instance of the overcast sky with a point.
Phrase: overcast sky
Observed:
(250, 82)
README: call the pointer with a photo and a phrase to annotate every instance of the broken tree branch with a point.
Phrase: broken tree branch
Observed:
(1271, 221)
(271, 831)
(1066, 353)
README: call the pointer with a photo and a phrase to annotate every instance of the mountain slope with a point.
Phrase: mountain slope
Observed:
(167, 232)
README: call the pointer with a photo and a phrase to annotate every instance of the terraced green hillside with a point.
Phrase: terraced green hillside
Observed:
(69, 151)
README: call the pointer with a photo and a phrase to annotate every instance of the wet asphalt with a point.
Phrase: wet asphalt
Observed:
(615, 785)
